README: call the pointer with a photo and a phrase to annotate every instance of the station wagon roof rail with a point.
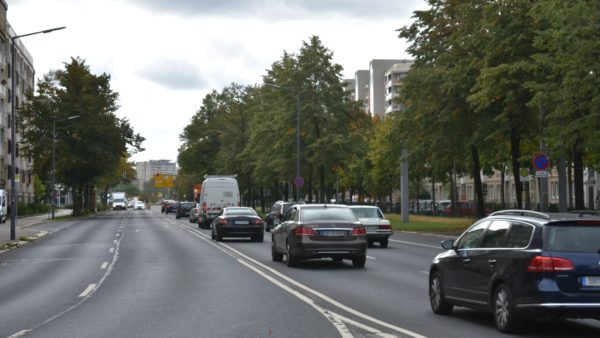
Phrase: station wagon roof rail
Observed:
(581, 213)
(520, 212)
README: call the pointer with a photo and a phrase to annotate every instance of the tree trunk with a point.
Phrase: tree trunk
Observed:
(477, 179)
(570, 184)
(578, 173)
(515, 143)
(322, 184)
(262, 199)
(502, 192)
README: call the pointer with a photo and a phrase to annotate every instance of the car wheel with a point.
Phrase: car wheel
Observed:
(383, 243)
(359, 261)
(212, 234)
(370, 243)
(219, 237)
(260, 237)
(505, 316)
(290, 259)
(276, 256)
(436, 296)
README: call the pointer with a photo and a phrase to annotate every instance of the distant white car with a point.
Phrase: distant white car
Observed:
(139, 205)
(378, 228)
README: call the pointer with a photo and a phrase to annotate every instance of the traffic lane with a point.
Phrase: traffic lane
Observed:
(46, 277)
(168, 282)
(396, 288)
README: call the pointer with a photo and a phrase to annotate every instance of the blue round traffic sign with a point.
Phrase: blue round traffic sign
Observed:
(540, 161)
(299, 181)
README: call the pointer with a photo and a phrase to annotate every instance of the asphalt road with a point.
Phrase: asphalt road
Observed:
(145, 274)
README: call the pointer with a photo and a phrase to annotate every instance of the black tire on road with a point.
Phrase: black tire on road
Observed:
(370, 243)
(359, 261)
(383, 243)
(506, 318)
(260, 237)
(212, 235)
(276, 256)
(291, 260)
(438, 303)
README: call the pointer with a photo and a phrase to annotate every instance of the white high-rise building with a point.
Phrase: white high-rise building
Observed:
(146, 170)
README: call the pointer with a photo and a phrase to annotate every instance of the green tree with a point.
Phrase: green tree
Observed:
(87, 149)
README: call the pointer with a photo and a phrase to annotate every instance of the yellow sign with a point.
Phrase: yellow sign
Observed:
(163, 181)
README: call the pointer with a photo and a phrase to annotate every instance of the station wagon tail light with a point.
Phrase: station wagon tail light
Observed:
(358, 231)
(384, 227)
(304, 231)
(222, 221)
(259, 221)
(549, 264)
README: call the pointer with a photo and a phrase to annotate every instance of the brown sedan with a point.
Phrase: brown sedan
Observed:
(319, 231)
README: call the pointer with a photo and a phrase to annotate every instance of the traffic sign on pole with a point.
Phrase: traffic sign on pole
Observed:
(540, 161)
(299, 181)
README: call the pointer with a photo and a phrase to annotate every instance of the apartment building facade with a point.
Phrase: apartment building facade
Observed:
(147, 169)
(24, 83)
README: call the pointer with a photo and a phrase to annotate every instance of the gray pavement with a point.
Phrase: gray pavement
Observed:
(25, 227)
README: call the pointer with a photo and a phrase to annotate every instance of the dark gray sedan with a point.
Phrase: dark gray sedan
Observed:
(319, 231)
(238, 222)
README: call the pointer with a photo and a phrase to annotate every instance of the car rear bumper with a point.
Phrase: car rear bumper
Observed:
(240, 231)
(378, 235)
(322, 249)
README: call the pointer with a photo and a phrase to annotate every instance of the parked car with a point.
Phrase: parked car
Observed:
(183, 209)
(278, 210)
(519, 265)
(194, 213)
(319, 230)
(378, 228)
(238, 222)
(464, 208)
(139, 205)
(171, 207)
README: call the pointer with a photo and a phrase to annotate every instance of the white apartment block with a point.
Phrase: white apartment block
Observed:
(393, 82)
(24, 83)
(146, 170)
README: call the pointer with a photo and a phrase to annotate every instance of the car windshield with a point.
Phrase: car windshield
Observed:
(239, 212)
(327, 214)
(188, 204)
(577, 239)
(367, 212)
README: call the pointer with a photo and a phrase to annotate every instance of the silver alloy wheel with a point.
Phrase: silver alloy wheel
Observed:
(435, 293)
(502, 307)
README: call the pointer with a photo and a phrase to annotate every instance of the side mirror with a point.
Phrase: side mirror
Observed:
(447, 244)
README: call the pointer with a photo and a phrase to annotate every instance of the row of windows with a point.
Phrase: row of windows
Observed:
(496, 234)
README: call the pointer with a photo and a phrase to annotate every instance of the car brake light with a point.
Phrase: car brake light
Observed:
(304, 231)
(204, 207)
(259, 221)
(549, 264)
(222, 221)
(359, 231)
(384, 227)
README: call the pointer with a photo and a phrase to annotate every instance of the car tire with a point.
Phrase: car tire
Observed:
(505, 317)
(260, 237)
(438, 303)
(275, 256)
(219, 237)
(370, 243)
(290, 260)
(383, 243)
(359, 261)
(212, 234)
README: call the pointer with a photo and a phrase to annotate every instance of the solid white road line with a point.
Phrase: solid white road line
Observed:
(87, 291)
(19, 334)
(417, 244)
(373, 258)
(104, 265)
(111, 250)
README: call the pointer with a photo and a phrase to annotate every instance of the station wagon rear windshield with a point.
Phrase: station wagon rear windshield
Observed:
(367, 212)
(572, 238)
(240, 211)
(327, 214)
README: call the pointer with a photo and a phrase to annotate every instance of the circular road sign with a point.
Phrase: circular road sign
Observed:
(299, 181)
(540, 161)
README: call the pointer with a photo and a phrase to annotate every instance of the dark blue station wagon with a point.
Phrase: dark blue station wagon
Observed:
(520, 265)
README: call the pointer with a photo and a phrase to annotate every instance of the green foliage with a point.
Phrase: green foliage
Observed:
(87, 148)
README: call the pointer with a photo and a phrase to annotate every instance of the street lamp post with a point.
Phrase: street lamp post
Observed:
(13, 114)
(54, 158)
(297, 137)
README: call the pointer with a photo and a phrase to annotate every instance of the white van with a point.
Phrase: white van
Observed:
(3, 204)
(216, 193)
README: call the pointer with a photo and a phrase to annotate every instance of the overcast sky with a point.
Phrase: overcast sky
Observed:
(164, 56)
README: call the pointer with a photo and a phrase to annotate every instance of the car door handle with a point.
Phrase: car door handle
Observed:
(492, 261)
(466, 260)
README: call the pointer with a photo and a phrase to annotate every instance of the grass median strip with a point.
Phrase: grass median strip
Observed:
(429, 223)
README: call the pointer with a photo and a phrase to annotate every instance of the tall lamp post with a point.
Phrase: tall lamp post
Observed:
(13, 184)
(298, 177)
(54, 158)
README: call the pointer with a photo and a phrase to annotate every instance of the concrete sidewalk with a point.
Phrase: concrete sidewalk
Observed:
(23, 227)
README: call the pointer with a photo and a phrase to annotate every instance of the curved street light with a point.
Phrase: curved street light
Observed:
(13, 148)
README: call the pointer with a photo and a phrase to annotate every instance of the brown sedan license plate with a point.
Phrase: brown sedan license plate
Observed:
(591, 282)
